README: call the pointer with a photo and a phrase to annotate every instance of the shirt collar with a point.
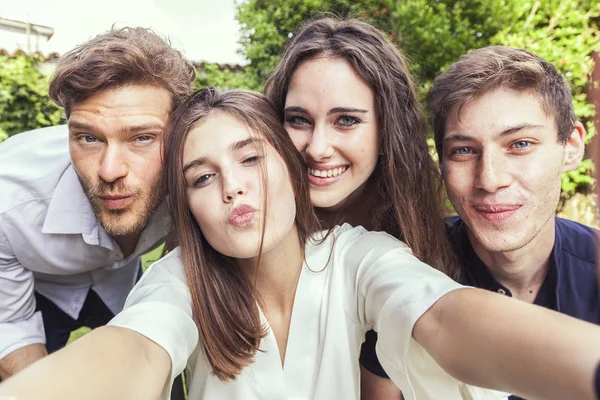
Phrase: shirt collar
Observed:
(476, 273)
(69, 211)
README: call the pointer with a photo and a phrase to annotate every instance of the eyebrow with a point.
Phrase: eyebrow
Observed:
(460, 137)
(335, 110)
(233, 147)
(128, 128)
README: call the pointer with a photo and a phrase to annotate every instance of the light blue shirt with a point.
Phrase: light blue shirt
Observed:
(50, 240)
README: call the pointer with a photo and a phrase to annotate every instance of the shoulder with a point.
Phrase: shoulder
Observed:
(577, 241)
(32, 164)
(168, 267)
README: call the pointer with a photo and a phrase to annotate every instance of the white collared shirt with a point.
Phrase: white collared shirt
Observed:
(50, 240)
(372, 281)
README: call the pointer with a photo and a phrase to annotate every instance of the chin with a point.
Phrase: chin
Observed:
(325, 201)
(502, 243)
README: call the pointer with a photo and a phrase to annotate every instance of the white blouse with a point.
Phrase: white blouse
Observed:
(351, 282)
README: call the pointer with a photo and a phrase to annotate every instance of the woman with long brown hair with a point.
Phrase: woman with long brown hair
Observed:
(348, 101)
(279, 309)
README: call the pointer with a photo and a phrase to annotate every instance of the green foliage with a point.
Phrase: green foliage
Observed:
(267, 24)
(434, 33)
(24, 102)
(564, 33)
(225, 78)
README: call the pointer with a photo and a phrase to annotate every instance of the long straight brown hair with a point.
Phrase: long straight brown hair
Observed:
(224, 301)
(406, 180)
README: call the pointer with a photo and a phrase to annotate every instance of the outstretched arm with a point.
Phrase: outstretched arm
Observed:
(108, 363)
(21, 358)
(488, 340)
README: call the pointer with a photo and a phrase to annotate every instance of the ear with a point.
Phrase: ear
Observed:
(574, 148)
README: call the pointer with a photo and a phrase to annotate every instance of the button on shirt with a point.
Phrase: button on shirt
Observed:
(570, 287)
(50, 240)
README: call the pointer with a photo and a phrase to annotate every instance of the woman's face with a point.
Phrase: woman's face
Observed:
(224, 164)
(330, 115)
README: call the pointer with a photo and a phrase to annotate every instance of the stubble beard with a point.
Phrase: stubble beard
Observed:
(132, 219)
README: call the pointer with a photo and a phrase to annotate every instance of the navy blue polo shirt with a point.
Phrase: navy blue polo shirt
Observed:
(570, 287)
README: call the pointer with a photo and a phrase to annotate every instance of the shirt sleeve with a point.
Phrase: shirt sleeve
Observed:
(159, 307)
(394, 289)
(20, 324)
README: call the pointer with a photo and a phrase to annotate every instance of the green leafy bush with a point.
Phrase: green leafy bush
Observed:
(434, 33)
(24, 102)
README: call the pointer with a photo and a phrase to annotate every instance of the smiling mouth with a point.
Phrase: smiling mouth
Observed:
(496, 212)
(327, 173)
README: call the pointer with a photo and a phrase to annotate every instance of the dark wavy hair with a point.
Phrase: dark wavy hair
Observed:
(407, 181)
(224, 300)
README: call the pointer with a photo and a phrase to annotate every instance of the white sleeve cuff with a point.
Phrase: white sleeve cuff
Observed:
(17, 334)
(167, 326)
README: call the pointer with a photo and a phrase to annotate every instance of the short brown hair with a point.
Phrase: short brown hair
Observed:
(120, 57)
(406, 179)
(493, 67)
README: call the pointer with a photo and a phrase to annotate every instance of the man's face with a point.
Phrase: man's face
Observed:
(502, 166)
(116, 149)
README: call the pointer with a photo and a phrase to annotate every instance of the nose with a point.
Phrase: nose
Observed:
(232, 187)
(492, 172)
(113, 164)
(319, 146)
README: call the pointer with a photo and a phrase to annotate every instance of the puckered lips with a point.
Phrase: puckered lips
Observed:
(496, 212)
(242, 215)
(325, 174)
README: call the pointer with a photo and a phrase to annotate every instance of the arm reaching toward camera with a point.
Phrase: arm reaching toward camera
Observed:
(136, 357)
(108, 363)
(493, 341)
(478, 337)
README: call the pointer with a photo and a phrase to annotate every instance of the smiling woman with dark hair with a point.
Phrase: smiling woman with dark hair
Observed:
(263, 305)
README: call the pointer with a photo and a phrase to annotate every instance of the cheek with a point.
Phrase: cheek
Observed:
(86, 163)
(200, 210)
(456, 180)
(361, 148)
(300, 138)
(147, 166)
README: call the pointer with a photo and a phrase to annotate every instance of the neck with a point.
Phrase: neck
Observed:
(276, 274)
(127, 243)
(356, 212)
(523, 270)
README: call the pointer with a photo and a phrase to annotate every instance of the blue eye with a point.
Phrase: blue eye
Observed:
(462, 151)
(88, 139)
(296, 120)
(521, 144)
(348, 121)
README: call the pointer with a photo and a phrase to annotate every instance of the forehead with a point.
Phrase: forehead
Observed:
(496, 111)
(328, 82)
(127, 102)
(213, 135)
